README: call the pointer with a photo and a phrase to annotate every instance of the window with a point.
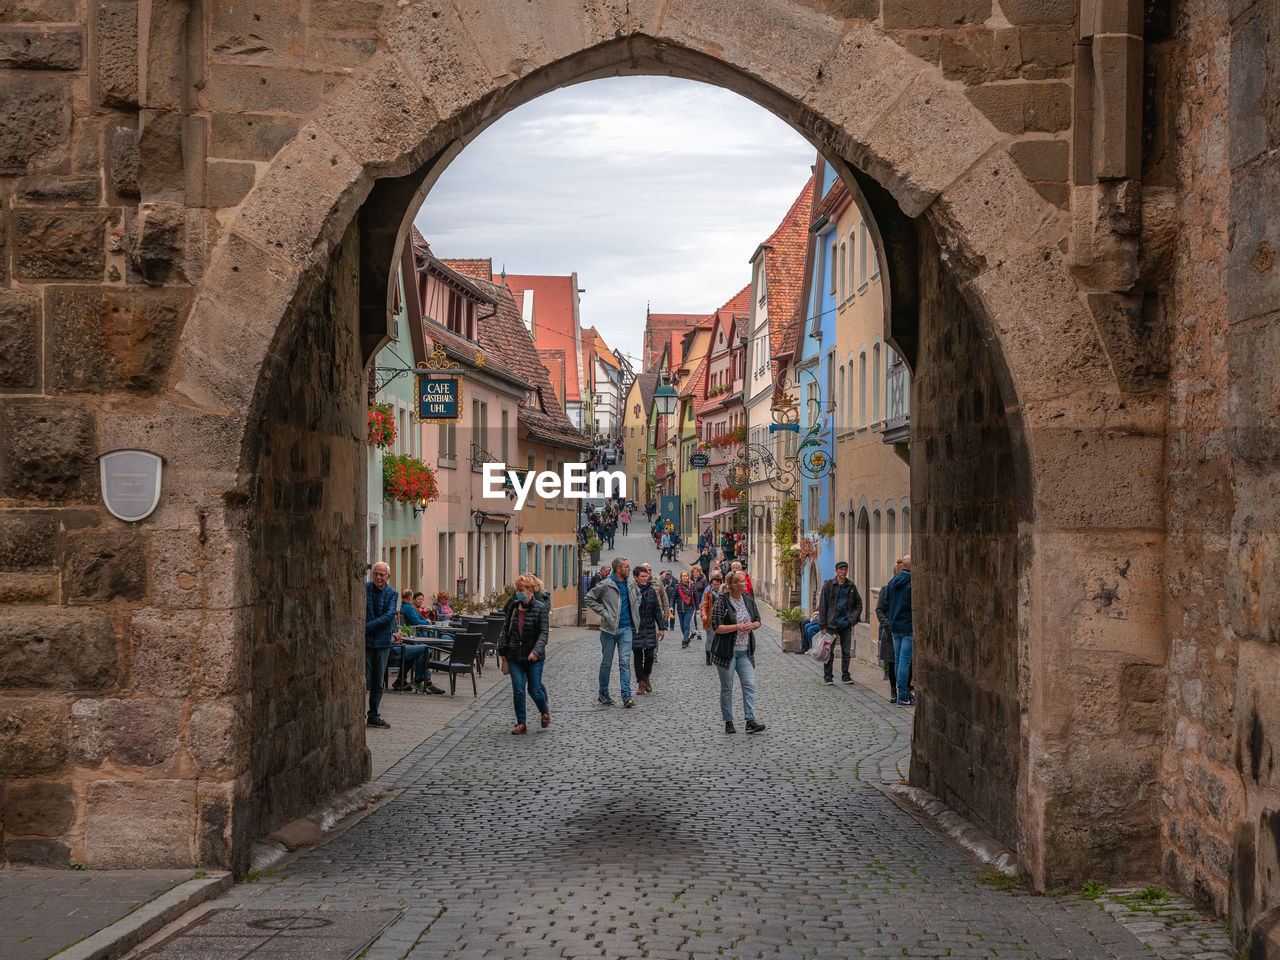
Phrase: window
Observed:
(567, 556)
(862, 389)
(555, 570)
(853, 246)
(506, 439)
(523, 558)
(811, 405)
(862, 255)
(832, 270)
(840, 408)
(875, 381)
(448, 443)
(844, 265)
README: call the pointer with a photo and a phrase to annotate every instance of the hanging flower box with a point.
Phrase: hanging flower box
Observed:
(407, 479)
(382, 426)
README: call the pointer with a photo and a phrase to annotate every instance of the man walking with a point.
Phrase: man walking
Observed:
(617, 600)
(900, 626)
(380, 599)
(839, 608)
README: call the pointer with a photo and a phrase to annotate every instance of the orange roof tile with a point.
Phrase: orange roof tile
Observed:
(480, 268)
(784, 254)
(555, 320)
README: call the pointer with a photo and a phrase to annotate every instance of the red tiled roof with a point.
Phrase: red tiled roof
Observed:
(660, 330)
(784, 254)
(503, 336)
(694, 386)
(480, 268)
(739, 305)
(554, 326)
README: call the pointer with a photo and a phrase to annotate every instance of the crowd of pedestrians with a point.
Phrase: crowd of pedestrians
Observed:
(712, 600)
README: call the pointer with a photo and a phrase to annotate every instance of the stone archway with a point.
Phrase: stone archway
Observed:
(295, 247)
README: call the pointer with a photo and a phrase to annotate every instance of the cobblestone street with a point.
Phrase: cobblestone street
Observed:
(651, 833)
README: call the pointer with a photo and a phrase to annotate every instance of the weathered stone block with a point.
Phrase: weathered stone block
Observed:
(116, 44)
(161, 174)
(41, 48)
(257, 33)
(854, 9)
(38, 808)
(217, 738)
(164, 651)
(38, 853)
(33, 733)
(975, 54)
(908, 14)
(60, 190)
(1117, 105)
(1046, 52)
(104, 566)
(1042, 159)
(29, 588)
(167, 56)
(132, 733)
(228, 183)
(113, 339)
(123, 160)
(1254, 398)
(145, 823)
(20, 316)
(59, 244)
(57, 648)
(37, 11)
(224, 659)
(249, 136)
(1253, 277)
(1020, 107)
(1253, 592)
(1039, 11)
(35, 124)
(238, 87)
(46, 450)
(28, 541)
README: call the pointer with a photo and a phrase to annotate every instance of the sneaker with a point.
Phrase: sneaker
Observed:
(847, 680)
(753, 727)
(827, 680)
(628, 703)
(377, 722)
(729, 727)
(432, 688)
(907, 701)
(546, 720)
(605, 700)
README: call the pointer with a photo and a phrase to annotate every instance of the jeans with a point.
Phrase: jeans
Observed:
(644, 663)
(526, 674)
(807, 633)
(707, 637)
(375, 668)
(624, 529)
(902, 662)
(846, 645)
(747, 677)
(686, 619)
(621, 642)
(413, 655)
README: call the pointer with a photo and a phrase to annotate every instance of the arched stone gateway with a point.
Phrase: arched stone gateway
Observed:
(229, 642)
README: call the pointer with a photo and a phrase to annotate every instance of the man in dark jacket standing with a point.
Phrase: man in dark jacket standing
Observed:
(380, 601)
(839, 608)
(899, 589)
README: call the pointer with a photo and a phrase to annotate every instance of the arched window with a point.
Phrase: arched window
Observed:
(844, 266)
(906, 531)
(840, 410)
(862, 551)
(862, 389)
(890, 540)
(875, 382)
(848, 397)
(877, 568)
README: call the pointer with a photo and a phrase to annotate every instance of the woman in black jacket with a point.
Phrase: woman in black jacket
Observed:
(734, 622)
(650, 629)
(524, 646)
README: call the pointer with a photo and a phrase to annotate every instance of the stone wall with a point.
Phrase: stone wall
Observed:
(308, 560)
(968, 741)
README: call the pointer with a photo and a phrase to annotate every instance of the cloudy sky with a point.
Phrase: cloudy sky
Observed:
(655, 190)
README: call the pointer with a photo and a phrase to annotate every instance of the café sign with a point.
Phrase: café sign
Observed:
(130, 483)
(698, 460)
(439, 397)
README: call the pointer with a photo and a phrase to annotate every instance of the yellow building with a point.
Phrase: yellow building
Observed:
(635, 435)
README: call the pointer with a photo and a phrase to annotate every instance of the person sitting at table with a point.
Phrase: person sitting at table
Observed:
(444, 612)
(413, 654)
(420, 604)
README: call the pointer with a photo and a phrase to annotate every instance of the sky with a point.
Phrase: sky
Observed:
(655, 190)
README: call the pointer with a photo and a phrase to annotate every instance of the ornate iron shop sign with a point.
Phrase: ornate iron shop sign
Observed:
(439, 389)
(130, 483)
(756, 462)
(698, 460)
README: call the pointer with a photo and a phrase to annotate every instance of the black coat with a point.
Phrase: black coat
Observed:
(644, 635)
(828, 615)
(516, 644)
(886, 636)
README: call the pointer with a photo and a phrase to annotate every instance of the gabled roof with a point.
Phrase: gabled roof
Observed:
(603, 352)
(660, 330)
(505, 338)
(647, 383)
(784, 254)
(739, 305)
(695, 387)
(480, 268)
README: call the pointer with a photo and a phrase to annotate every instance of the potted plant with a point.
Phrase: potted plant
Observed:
(792, 629)
(407, 479)
(382, 426)
(594, 546)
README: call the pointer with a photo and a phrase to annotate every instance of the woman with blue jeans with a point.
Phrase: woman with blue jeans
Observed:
(684, 605)
(734, 621)
(524, 646)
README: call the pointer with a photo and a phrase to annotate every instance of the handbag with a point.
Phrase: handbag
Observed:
(821, 649)
(502, 665)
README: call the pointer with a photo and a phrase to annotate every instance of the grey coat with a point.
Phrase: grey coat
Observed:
(605, 599)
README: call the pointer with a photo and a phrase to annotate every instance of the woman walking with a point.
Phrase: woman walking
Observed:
(708, 600)
(523, 647)
(625, 518)
(734, 621)
(686, 601)
(644, 640)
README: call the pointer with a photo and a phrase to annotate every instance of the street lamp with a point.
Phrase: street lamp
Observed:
(666, 399)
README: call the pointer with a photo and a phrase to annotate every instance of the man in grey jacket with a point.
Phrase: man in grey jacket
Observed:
(617, 623)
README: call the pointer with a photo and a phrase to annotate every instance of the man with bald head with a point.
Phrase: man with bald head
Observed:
(380, 610)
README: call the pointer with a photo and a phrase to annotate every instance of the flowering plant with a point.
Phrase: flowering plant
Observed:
(408, 479)
(382, 426)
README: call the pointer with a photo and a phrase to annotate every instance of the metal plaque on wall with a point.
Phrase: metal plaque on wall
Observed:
(130, 482)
